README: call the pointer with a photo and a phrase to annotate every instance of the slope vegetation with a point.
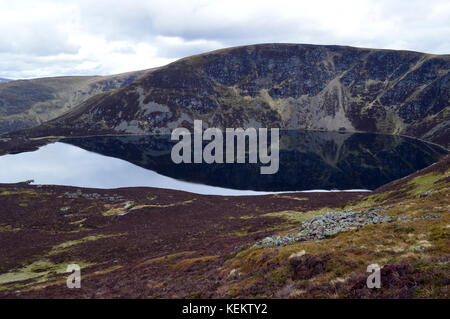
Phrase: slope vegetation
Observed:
(156, 243)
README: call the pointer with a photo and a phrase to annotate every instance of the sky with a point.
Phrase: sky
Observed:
(53, 37)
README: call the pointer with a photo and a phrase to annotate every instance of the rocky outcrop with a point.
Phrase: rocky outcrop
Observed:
(327, 225)
(280, 85)
(332, 223)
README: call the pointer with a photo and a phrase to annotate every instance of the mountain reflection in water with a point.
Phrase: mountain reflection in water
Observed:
(308, 160)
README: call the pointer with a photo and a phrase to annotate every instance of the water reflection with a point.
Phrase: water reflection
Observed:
(308, 160)
(64, 164)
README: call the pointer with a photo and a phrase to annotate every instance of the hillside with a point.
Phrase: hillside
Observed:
(278, 85)
(27, 103)
(156, 243)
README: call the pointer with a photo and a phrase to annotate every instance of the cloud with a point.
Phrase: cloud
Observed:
(35, 30)
(50, 37)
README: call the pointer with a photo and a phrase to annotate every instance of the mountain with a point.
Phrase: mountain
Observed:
(278, 85)
(27, 103)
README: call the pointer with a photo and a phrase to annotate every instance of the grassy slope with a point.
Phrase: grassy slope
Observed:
(175, 244)
(415, 254)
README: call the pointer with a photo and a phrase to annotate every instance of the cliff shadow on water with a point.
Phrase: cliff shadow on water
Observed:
(308, 160)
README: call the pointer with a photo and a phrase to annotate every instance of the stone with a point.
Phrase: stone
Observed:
(326, 225)
(297, 254)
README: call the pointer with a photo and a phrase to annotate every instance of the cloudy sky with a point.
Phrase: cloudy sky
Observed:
(52, 38)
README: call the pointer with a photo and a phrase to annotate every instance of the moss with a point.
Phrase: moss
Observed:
(170, 205)
(6, 228)
(139, 207)
(297, 217)
(371, 200)
(113, 212)
(244, 217)
(120, 209)
(22, 192)
(427, 182)
(78, 222)
(189, 262)
(62, 281)
(290, 197)
(36, 272)
(280, 276)
(242, 233)
(63, 246)
(238, 233)
(167, 258)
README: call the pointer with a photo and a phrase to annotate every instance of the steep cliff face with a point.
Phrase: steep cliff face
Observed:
(27, 103)
(279, 85)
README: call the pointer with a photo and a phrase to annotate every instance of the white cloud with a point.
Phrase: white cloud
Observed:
(50, 37)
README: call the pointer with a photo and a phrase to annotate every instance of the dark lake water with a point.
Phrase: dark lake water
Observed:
(308, 161)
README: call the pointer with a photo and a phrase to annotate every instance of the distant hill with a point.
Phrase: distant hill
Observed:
(300, 86)
(27, 103)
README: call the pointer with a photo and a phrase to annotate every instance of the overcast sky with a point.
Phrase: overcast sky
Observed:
(51, 38)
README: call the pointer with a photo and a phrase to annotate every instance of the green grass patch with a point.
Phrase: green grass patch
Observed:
(23, 192)
(187, 263)
(290, 197)
(64, 246)
(371, 200)
(167, 258)
(427, 182)
(5, 228)
(36, 272)
(297, 217)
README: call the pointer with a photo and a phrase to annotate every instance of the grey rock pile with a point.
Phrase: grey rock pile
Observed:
(432, 191)
(78, 193)
(328, 224)
(427, 193)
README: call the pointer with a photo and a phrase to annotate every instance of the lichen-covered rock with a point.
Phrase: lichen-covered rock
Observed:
(328, 224)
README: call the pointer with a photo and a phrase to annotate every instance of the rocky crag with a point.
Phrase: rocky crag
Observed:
(293, 86)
